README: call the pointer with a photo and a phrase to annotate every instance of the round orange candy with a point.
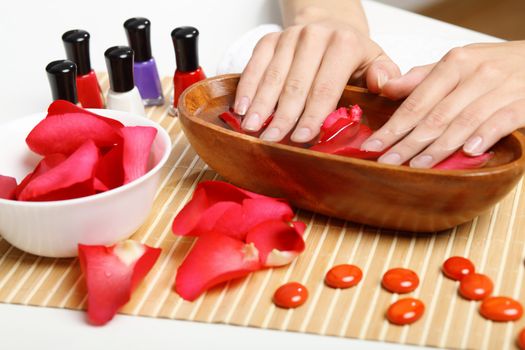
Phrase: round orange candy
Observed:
(400, 280)
(501, 309)
(290, 295)
(475, 286)
(343, 276)
(521, 339)
(457, 267)
(405, 311)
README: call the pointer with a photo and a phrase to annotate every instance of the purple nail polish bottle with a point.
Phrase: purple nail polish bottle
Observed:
(144, 69)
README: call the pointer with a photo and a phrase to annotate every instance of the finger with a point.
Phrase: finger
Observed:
(380, 71)
(272, 81)
(437, 121)
(253, 72)
(440, 82)
(403, 86)
(502, 123)
(309, 53)
(337, 65)
(462, 127)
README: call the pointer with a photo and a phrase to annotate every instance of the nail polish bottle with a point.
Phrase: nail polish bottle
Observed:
(145, 69)
(76, 43)
(185, 41)
(62, 76)
(123, 95)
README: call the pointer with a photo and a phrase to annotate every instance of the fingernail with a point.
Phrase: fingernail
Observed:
(391, 158)
(423, 161)
(473, 145)
(302, 135)
(372, 145)
(382, 78)
(242, 106)
(271, 134)
(252, 122)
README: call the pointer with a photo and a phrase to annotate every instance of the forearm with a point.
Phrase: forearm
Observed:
(308, 11)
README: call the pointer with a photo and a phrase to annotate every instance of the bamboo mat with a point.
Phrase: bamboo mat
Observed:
(495, 242)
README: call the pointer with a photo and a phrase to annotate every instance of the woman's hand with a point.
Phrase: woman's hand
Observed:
(471, 98)
(303, 71)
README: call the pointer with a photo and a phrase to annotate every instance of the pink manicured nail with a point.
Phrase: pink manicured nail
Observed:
(391, 158)
(252, 122)
(473, 145)
(372, 146)
(242, 105)
(302, 135)
(423, 161)
(271, 134)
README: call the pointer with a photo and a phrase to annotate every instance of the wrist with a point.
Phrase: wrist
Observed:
(312, 14)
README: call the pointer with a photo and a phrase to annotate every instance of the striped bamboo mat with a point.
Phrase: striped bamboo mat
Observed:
(495, 242)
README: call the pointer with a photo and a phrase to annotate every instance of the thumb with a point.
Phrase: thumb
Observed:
(381, 70)
(403, 86)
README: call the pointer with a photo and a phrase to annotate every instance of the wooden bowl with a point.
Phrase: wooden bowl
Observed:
(393, 197)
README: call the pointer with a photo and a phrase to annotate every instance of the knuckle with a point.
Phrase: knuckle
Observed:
(436, 119)
(294, 87)
(410, 105)
(345, 37)
(273, 76)
(313, 31)
(266, 41)
(323, 91)
(510, 115)
(457, 55)
(489, 70)
(467, 119)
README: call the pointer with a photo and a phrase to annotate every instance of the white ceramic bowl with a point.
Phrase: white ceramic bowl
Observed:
(55, 228)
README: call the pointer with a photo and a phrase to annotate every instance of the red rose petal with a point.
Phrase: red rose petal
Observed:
(356, 113)
(49, 162)
(7, 187)
(65, 107)
(342, 128)
(112, 274)
(65, 133)
(71, 178)
(110, 169)
(278, 243)
(214, 259)
(233, 121)
(137, 149)
(332, 118)
(459, 160)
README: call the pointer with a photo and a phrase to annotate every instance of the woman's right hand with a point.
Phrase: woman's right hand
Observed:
(301, 73)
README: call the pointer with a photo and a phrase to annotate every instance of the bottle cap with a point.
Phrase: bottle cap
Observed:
(62, 75)
(76, 43)
(138, 33)
(119, 61)
(185, 41)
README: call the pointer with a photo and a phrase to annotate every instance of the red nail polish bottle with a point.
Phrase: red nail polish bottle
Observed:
(76, 43)
(185, 41)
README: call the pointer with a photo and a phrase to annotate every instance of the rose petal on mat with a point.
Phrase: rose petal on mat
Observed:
(278, 242)
(65, 133)
(112, 274)
(459, 160)
(65, 107)
(7, 187)
(49, 162)
(205, 197)
(76, 172)
(237, 221)
(110, 169)
(137, 148)
(232, 120)
(215, 258)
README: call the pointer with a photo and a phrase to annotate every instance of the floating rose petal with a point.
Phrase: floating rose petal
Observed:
(278, 242)
(348, 142)
(137, 147)
(460, 160)
(7, 187)
(214, 259)
(332, 118)
(356, 113)
(110, 170)
(112, 274)
(233, 120)
(342, 128)
(71, 178)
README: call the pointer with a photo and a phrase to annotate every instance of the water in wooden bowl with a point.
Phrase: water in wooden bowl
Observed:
(394, 197)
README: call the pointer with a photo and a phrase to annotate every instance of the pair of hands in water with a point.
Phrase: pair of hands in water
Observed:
(471, 98)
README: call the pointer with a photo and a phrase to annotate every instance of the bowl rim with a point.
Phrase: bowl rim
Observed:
(113, 192)
(183, 111)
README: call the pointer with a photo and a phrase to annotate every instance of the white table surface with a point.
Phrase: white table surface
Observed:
(30, 38)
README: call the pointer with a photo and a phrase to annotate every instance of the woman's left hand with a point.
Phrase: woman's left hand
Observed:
(471, 98)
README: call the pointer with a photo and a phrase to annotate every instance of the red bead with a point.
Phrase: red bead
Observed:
(475, 286)
(405, 311)
(458, 267)
(343, 276)
(400, 280)
(290, 295)
(501, 309)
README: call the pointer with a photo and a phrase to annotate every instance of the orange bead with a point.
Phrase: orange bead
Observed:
(521, 339)
(405, 311)
(475, 286)
(343, 276)
(400, 280)
(457, 267)
(501, 309)
(290, 295)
